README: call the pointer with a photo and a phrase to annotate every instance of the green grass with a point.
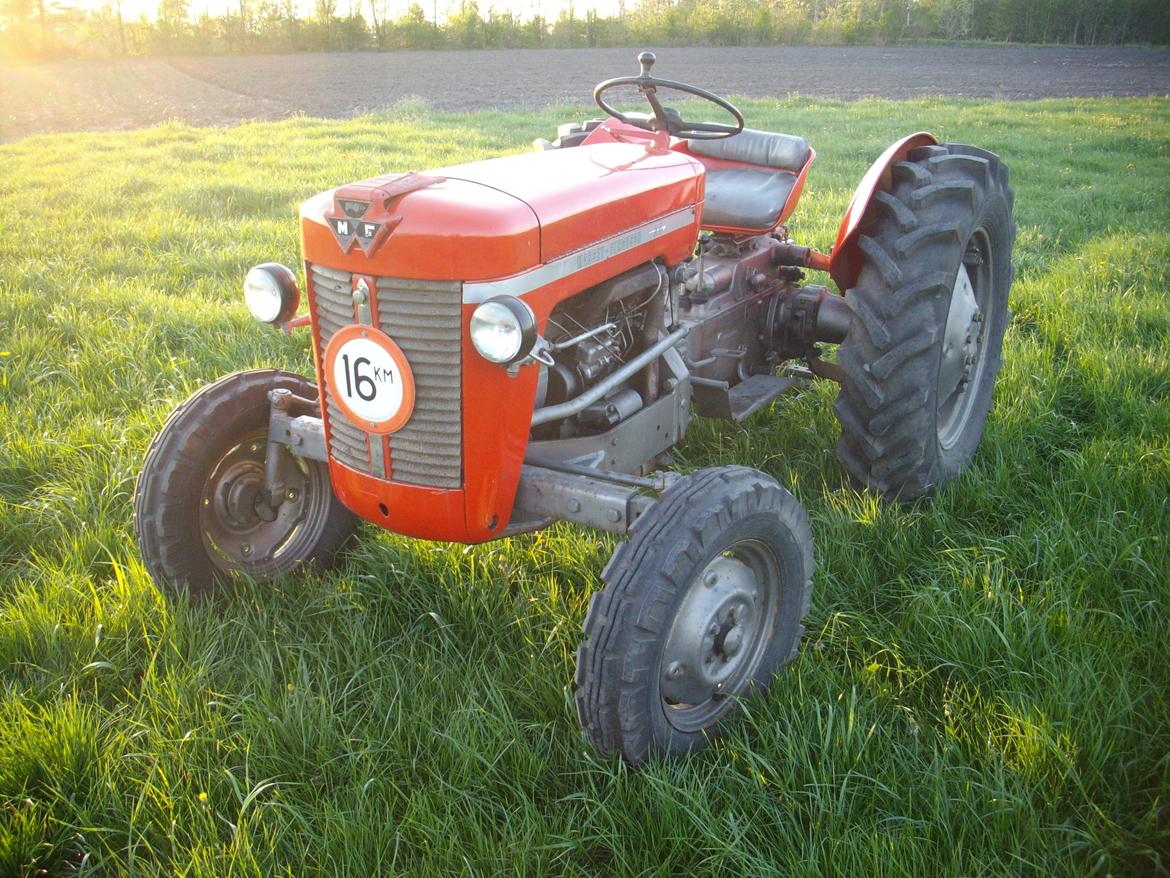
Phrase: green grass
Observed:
(984, 686)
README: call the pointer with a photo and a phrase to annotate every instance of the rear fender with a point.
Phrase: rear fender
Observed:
(845, 262)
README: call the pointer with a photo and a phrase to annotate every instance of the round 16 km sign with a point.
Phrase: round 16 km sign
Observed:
(370, 379)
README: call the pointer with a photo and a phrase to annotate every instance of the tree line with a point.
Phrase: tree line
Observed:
(55, 28)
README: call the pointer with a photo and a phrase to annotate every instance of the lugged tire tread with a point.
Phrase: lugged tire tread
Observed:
(935, 233)
(909, 172)
(903, 217)
(963, 188)
(905, 297)
(883, 261)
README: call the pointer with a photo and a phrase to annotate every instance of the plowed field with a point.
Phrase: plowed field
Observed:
(84, 95)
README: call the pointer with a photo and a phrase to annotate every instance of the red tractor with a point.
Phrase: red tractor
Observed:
(508, 343)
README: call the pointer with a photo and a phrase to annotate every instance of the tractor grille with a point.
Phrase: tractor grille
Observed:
(424, 318)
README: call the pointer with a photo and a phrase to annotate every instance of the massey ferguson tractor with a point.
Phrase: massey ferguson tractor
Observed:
(509, 343)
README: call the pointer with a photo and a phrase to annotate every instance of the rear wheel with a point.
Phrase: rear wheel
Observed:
(201, 511)
(929, 312)
(700, 608)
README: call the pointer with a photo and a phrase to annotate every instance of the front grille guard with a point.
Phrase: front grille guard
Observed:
(424, 319)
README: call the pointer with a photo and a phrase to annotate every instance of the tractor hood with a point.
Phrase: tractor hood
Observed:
(495, 218)
(585, 193)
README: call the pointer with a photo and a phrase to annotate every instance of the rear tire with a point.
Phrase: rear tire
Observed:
(929, 312)
(198, 515)
(700, 608)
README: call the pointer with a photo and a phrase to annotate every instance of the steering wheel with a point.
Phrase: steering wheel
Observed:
(665, 118)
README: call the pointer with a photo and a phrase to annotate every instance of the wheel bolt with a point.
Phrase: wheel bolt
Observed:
(246, 549)
(733, 641)
(676, 669)
(713, 630)
(710, 578)
(292, 495)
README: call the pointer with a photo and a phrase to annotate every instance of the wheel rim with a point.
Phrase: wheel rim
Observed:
(964, 354)
(240, 530)
(720, 635)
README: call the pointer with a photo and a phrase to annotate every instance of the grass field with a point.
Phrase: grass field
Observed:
(983, 690)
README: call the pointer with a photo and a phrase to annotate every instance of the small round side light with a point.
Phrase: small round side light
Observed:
(272, 293)
(503, 330)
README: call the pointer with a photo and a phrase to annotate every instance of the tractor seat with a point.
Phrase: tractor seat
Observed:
(750, 198)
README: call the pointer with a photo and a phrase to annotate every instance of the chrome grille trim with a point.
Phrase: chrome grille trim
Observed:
(332, 299)
(424, 318)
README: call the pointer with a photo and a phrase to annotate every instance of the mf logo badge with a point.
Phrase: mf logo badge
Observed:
(352, 226)
(365, 212)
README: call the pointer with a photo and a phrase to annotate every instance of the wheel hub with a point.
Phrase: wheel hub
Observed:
(962, 357)
(720, 615)
(238, 497)
(239, 523)
(960, 338)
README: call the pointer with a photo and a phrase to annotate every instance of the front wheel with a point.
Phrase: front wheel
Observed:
(201, 511)
(929, 312)
(700, 608)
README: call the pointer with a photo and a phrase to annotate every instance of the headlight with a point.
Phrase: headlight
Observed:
(272, 293)
(503, 329)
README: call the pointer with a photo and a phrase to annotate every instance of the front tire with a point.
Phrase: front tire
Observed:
(700, 608)
(199, 512)
(929, 312)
